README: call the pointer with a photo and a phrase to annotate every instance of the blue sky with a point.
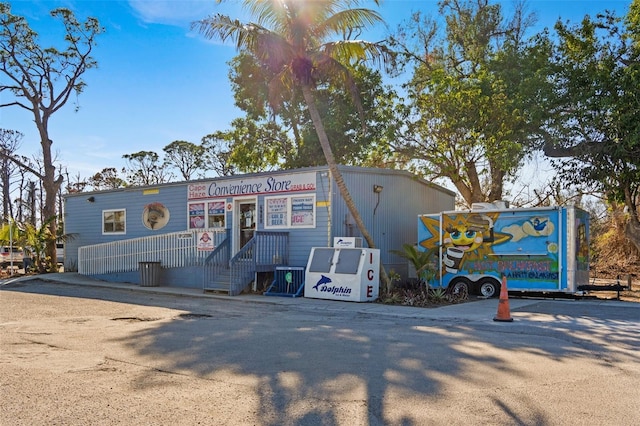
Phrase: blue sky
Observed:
(158, 82)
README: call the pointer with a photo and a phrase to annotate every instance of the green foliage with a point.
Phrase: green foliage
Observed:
(145, 168)
(353, 142)
(423, 261)
(292, 41)
(34, 241)
(438, 295)
(287, 138)
(217, 152)
(469, 115)
(41, 80)
(107, 178)
(186, 157)
(422, 297)
(10, 233)
(593, 106)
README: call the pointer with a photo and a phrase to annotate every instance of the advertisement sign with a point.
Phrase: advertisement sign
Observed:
(205, 241)
(277, 211)
(261, 185)
(196, 216)
(302, 211)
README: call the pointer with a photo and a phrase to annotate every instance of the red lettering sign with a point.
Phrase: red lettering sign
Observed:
(369, 291)
(370, 274)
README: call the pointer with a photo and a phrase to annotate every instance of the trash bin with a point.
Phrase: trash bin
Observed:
(149, 274)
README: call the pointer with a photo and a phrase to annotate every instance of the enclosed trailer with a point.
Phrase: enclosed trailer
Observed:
(535, 249)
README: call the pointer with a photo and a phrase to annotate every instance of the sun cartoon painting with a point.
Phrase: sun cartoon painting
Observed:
(466, 237)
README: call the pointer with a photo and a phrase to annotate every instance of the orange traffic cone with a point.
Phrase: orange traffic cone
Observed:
(503, 305)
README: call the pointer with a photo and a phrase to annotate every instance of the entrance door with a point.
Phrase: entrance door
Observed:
(245, 221)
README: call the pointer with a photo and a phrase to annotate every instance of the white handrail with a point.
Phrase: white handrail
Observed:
(177, 249)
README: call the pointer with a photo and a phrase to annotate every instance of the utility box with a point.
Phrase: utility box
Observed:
(288, 281)
(349, 274)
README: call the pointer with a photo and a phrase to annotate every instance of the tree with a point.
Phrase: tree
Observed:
(470, 112)
(217, 152)
(34, 239)
(593, 109)
(255, 146)
(285, 137)
(9, 145)
(41, 81)
(185, 156)
(107, 178)
(75, 183)
(291, 39)
(351, 143)
(144, 168)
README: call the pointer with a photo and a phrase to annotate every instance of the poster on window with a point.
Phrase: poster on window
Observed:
(205, 241)
(302, 211)
(216, 212)
(216, 207)
(277, 211)
(196, 215)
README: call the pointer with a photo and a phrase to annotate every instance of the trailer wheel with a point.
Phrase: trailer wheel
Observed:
(488, 288)
(459, 287)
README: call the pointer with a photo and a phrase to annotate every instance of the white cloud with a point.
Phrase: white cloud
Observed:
(172, 12)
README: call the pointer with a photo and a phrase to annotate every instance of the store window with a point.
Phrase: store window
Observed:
(277, 212)
(215, 214)
(197, 217)
(209, 214)
(290, 212)
(114, 221)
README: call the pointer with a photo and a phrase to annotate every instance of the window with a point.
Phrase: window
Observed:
(215, 214)
(114, 221)
(277, 212)
(297, 211)
(209, 214)
(196, 216)
(303, 211)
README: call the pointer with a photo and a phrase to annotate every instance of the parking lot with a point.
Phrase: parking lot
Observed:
(114, 354)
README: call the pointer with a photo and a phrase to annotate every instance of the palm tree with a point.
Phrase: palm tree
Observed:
(291, 38)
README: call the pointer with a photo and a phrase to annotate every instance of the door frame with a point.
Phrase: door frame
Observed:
(237, 202)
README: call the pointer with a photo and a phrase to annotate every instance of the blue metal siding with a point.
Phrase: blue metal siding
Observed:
(390, 216)
(302, 240)
(83, 219)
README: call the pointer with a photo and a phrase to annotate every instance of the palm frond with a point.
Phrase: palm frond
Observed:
(351, 51)
(344, 21)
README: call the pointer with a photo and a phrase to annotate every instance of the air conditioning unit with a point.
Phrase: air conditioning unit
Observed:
(483, 206)
(496, 205)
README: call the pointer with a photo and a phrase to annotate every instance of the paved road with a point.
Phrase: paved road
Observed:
(91, 355)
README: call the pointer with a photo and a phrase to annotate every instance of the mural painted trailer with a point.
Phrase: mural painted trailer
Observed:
(536, 249)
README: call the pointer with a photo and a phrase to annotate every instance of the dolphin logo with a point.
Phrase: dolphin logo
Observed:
(322, 280)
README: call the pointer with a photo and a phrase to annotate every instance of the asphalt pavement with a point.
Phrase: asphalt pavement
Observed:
(520, 309)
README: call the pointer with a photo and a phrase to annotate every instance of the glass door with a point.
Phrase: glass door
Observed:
(246, 219)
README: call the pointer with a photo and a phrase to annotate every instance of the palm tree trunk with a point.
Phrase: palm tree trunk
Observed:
(337, 176)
